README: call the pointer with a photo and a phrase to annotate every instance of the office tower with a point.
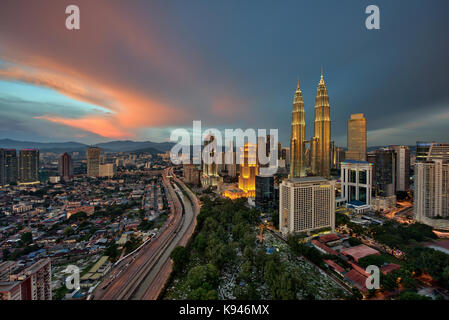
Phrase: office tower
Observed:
(298, 136)
(210, 165)
(338, 157)
(279, 150)
(93, 161)
(248, 169)
(191, 174)
(10, 164)
(322, 132)
(431, 193)
(107, 170)
(356, 138)
(402, 168)
(286, 156)
(371, 158)
(306, 204)
(422, 150)
(65, 166)
(2, 168)
(264, 191)
(385, 172)
(427, 151)
(356, 181)
(231, 162)
(28, 166)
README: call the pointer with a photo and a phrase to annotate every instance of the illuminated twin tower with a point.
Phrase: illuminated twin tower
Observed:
(318, 156)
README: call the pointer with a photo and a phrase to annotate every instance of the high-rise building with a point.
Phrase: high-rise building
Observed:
(191, 174)
(2, 168)
(210, 167)
(356, 181)
(107, 170)
(65, 166)
(306, 204)
(33, 283)
(298, 136)
(322, 132)
(210, 175)
(385, 172)
(431, 193)
(286, 156)
(29, 166)
(231, 161)
(338, 157)
(356, 138)
(432, 151)
(402, 168)
(264, 191)
(248, 169)
(93, 161)
(422, 150)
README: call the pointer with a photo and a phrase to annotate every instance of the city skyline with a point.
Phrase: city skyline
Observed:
(53, 80)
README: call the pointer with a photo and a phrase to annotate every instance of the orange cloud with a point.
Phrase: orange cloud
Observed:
(102, 126)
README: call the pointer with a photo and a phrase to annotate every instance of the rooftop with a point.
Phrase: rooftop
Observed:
(355, 161)
(307, 179)
(359, 251)
(357, 278)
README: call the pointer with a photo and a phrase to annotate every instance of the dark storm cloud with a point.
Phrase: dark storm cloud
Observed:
(157, 65)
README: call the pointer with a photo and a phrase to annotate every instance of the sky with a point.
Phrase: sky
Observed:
(137, 69)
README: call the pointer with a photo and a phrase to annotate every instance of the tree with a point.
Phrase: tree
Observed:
(180, 257)
(69, 231)
(205, 276)
(112, 251)
(26, 239)
(409, 295)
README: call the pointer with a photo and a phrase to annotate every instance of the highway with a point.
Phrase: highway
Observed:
(142, 274)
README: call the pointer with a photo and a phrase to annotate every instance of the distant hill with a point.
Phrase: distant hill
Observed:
(112, 146)
(45, 146)
(127, 145)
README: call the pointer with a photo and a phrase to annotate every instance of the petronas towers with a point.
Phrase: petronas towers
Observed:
(320, 144)
(297, 163)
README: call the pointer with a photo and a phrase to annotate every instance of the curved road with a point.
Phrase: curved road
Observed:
(142, 275)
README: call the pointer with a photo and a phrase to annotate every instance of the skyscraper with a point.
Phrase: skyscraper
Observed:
(231, 161)
(10, 166)
(306, 204)
(248, 169)
(322, 132)
(356, 138)
(264, 191)
(385, 172)
(210, 168)
(431, 199)
(402, 168)
(65, 166)
(297, 164)
(28, 166)
(93, 161)
(2, 168)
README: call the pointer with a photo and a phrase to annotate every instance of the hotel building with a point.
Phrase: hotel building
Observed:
(306, 204)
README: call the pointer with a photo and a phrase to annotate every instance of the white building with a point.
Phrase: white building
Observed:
(431, 198)
(306, 204)
(356, 182)
(402, 168)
